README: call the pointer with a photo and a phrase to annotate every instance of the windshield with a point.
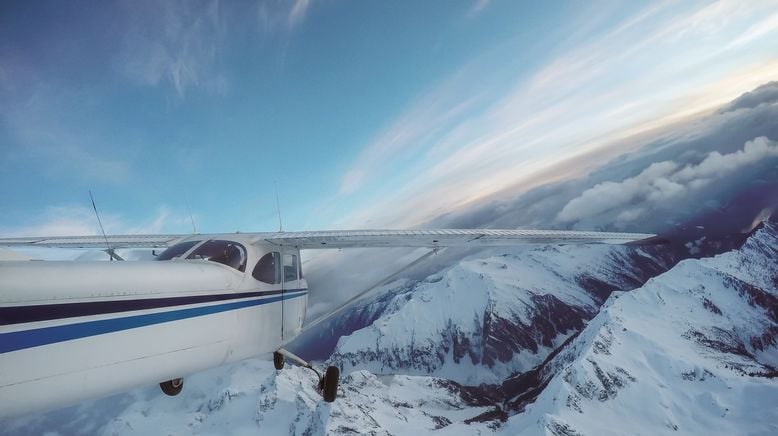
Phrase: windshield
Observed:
(228, 253)
(177, 250)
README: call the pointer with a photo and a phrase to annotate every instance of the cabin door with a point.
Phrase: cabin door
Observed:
(291, 283)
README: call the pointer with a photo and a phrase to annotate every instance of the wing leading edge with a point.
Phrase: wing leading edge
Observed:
(445, 238)
(354, 238)
(97, 241)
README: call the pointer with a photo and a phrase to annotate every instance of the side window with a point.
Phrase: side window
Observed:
(228, 253)
(290, 267)
(268, 268)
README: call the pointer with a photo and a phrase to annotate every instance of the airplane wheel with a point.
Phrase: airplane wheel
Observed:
(278, 360)
(330, 383)
(172, 387)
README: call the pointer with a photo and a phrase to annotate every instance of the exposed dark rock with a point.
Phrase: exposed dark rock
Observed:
(755, 296)
(475, 396)
(523, 388)
(495, 414)
(560, 429)
(710, 306)
(441, 421)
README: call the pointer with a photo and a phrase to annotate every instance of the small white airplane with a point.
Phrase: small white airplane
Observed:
(75, 330)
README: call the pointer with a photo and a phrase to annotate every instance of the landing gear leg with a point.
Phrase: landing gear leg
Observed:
(172, 387)
(328, 385)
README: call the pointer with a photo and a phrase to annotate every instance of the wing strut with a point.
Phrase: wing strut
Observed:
(108, 250)
(381, 282)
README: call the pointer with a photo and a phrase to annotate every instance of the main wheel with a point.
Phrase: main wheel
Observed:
(278, 360)
(330, 383)
(172, 387)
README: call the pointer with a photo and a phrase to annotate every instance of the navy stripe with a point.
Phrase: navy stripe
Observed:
(45, 312)
(48, 335)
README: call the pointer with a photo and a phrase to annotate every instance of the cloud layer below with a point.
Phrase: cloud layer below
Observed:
(649, 69)
(663, 182)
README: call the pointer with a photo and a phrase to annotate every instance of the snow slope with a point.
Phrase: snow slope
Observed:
(493, 314)
(251, 396)
(694, 351)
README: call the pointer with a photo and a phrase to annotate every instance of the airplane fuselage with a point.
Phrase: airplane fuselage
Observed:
(71, 331)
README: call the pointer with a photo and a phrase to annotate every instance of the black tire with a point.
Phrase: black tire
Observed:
(172, 387)
(330, 383)
(278, 360)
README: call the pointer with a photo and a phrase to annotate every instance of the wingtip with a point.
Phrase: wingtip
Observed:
(651, 240)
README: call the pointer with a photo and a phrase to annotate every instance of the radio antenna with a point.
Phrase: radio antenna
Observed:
(108, 246)
(191, 217)
(278, 208)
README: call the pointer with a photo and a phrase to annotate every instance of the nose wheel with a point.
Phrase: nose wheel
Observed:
(328, 384)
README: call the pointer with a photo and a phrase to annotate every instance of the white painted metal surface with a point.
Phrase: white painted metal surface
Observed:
(70, 331)
(351, 238)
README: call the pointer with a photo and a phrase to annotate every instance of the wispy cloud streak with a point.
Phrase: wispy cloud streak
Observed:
(71, 220)
(656, 66)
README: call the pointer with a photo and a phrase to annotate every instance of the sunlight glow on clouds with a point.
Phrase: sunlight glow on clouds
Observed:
(665, 62)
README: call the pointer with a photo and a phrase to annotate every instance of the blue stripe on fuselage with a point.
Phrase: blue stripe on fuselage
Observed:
(56, 311)
(20, 340)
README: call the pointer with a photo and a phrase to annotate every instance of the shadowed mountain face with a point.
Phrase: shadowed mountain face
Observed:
(694, 350)
(490, 314)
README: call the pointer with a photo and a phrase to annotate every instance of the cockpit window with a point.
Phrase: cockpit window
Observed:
(177, 250)
(228, 253)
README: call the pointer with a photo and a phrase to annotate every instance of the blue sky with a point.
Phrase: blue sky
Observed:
(365, 114)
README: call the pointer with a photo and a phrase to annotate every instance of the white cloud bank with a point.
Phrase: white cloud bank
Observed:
(663, 182)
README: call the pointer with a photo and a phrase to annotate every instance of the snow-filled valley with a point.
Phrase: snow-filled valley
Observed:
(545, 340)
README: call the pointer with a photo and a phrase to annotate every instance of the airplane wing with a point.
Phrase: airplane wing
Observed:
(446, 238)
(353, 238)
(116, 241)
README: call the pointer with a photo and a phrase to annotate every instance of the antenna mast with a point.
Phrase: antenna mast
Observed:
(278, 208)
(110, 250)
(191, 218)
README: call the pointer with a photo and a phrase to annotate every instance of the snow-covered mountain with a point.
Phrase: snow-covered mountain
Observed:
(693, 350)
(494, 313)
